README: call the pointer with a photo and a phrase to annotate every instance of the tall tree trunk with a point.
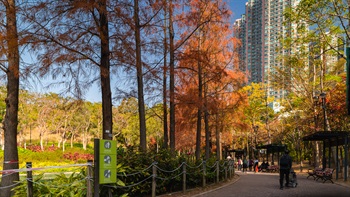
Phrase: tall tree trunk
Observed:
(198, 134)
(217, 136)
(105, 72)
(86, 136)
(199, 112)
(165, 69)
(206, 121)
(41, 140)
(11, 116)
(172, 78)
(71, 140)
(207, 134)
(61, 139)
(141, 102)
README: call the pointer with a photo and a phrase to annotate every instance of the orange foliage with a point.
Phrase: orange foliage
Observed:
(207, 57)
(336, 106)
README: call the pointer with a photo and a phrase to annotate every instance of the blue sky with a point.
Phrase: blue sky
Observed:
(237, 7)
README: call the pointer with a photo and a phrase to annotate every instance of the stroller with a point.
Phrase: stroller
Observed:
(293, 178)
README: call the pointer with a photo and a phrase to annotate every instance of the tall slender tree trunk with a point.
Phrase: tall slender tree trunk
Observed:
(200, 98)
(198, 134)
(107, 123)
(42, 139)
(165, 69)
(207, 134)
(206, 121)
(172, 78)
(141, 102)
(71, 140)
(217, 136)
(11, 116)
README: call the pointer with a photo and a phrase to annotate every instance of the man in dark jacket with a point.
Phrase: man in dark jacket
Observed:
(285, 166)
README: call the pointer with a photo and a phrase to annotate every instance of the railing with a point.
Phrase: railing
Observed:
(216, 172)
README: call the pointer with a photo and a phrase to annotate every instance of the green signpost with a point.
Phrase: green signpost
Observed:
(108, 161)
(105, 155)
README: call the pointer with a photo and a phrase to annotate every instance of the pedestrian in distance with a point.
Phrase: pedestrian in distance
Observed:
(285, 166)
(256, 164)
(245, 165)
(251, 162)
(239, 163)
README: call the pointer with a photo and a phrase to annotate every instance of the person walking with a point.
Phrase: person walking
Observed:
(256, 164)
(285, 165)
(245, 165)
(239, 163)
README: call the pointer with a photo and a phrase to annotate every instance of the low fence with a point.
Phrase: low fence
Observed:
(218, 171)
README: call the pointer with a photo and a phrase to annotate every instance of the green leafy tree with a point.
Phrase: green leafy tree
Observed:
(318, 34)
(256, 112)
(155, 121)
(128, 117)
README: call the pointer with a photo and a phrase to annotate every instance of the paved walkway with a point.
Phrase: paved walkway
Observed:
(267, 185)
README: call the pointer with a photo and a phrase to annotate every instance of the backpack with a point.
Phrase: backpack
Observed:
(284, 161)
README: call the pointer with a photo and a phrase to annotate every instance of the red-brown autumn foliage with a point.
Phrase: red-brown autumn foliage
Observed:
(207, 76)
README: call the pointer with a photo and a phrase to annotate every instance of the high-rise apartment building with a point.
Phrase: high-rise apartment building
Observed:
(239, 32)
(260, 30)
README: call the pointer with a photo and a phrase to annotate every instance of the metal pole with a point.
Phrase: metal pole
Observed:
(324, 155)
(329, 153)
(346, 147)
(348, 79)
(337, 160)
(315, 112)
(324, 114)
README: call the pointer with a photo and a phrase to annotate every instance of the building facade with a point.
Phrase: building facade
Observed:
(261, 30)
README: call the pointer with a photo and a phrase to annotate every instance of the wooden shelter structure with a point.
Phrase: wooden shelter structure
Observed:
(333, 139)
(238, 153)
(272, 149)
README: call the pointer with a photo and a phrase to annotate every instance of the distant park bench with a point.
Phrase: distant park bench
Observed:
(312, 172)
(272, 168)
(325, 175)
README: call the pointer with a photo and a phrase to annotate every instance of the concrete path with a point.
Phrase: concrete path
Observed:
(267, 185)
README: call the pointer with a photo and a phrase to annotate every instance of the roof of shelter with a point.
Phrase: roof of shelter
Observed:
(237, 150)
(273, 147)
(333, 137)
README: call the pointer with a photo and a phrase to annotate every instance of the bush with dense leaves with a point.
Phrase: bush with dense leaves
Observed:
(136, 162)
(74, 184)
